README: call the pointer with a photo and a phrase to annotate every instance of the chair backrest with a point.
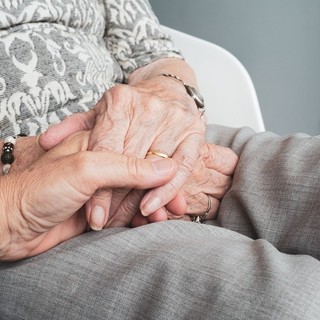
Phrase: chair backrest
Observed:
(226, 86)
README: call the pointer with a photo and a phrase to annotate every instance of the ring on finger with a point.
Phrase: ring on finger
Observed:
(200, 218)
(157, 153)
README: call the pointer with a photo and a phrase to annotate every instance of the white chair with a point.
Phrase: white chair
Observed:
(226, 86)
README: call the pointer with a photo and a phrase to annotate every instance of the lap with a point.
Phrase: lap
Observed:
(169, 270)
(275, 193)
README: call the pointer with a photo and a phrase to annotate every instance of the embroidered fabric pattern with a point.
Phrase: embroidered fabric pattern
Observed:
(58, 57)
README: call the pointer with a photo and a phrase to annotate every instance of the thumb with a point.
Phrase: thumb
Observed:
(69, 125)
(125, 172)
(133, 173)
(74, 178)
(110, 170)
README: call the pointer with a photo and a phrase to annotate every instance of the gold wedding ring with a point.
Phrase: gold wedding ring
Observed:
(157, 153)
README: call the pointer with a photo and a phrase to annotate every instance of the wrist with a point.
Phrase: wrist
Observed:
(191, 91)
(13, 226)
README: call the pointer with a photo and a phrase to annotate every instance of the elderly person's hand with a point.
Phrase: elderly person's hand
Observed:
(202, 192)
(152, 112)
(42, 201)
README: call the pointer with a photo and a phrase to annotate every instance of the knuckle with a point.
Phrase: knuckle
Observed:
(215, 179)
(102, 196)
(170, 190)
(186, 163)
(221, 185)
(120, 90)
(109, 102)
(80, 161)
(129, 209)
(130, 204)
(104, 146)
(212, 156)
(134, 169)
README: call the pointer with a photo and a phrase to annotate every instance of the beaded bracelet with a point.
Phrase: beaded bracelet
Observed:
(7, 156)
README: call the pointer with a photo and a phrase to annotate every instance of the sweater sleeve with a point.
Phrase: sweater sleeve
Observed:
(134, 35)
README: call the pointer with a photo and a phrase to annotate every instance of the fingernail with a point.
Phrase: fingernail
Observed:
(150, 205)
(97, 218)
(163, 167)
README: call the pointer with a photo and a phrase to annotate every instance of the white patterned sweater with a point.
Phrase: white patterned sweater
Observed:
(57, 57)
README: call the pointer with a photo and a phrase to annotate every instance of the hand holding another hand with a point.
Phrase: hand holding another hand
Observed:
(154, 114)
(42, 203)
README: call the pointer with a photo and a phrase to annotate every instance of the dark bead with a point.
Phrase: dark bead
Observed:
(7, 150)
(7, 158)
(8, 147)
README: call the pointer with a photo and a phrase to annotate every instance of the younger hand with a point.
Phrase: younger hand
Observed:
(42, 205)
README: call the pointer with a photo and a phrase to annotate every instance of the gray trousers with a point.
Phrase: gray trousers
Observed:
(258, 260)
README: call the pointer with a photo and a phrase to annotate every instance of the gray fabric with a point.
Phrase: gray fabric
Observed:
(182, 270)
(276, 189)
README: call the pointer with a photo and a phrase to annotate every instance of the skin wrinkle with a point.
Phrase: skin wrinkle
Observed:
(34, 222)
(17, 224)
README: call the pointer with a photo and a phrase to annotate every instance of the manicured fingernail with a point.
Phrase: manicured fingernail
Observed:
(97, 218)
(150, 205)
(163, 167)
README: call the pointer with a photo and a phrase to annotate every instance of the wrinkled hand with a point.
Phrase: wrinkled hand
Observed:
(155, 114)
(42, 204)
(212, 176)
